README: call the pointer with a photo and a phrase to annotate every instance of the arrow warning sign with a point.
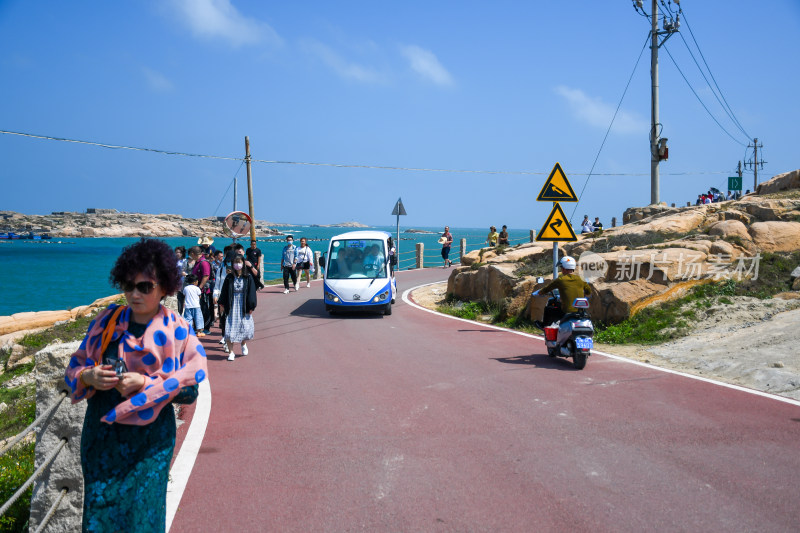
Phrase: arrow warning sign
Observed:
(556, 228)
(557, 188)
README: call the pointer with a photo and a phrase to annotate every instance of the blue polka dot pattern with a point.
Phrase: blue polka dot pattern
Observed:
(200, 375)
(149, 359)
(149, 386)
(138, 348)
(172, 316)
(160, 338)
(104, 322)
(112, 415)
(180, 333)
(182, 359)
(171, 384)
(83, 344)
(161, 399)
(91, 325)
(166, 321)
(201, 350)
(146, 414)
(168, 364)
(74, 363)
(139, 400)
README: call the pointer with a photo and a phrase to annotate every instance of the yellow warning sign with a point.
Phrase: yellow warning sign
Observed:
(557, 228)
(557, 188)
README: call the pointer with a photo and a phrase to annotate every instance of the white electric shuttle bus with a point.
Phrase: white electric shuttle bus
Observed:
(359, 272)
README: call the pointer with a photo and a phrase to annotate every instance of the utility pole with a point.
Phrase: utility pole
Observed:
(654, 134)
(250, 189)
(658, 144)
(754, 163)
(739, 169)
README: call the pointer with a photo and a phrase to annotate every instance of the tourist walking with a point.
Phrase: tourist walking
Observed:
(192, 313)
(134, 363)
(202, 269)
(289, 264)
(238, 300)
(305, 262)
(253, 254)
(180, 254)
(446, 241)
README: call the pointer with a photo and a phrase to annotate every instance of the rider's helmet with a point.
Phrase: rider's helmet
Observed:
(568, 263)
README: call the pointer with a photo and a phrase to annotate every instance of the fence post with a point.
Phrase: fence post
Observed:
(261, 268)
(420, 251)
(533, 235)
(673, 205)
(462, 250)
(317, 255)
(688, 204)
(613, 222)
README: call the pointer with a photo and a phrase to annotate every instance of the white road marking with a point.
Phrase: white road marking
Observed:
(182, 467)
(595, 352)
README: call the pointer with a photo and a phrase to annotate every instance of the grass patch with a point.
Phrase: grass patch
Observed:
(774, 275)
(470, 310)
(15, 468)
(538, 267)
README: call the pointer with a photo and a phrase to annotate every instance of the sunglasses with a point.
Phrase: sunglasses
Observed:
(144, 287)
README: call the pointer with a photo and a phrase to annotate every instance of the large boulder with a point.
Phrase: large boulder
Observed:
(770, 209)
(776, 236)
(677, 222)
(31, 320)
(781, 182)
(729, 229)
(490, 283)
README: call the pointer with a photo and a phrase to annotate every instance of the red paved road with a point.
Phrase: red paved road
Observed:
(416, 422)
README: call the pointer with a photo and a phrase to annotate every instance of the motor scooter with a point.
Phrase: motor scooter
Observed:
(571, 336)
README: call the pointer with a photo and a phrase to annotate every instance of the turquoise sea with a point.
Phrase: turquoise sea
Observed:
(68, 272)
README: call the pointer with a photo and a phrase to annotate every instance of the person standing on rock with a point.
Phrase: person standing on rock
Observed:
(238, 300)
(134, 363)
(446, 244)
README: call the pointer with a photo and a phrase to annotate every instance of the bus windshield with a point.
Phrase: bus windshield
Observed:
(357, 258)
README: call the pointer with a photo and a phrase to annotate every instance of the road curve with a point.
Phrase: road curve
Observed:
(418, 422)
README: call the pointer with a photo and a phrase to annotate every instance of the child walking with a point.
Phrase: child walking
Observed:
(191, 311)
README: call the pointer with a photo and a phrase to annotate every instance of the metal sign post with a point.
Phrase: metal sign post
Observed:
(557, 228)
(398, 210)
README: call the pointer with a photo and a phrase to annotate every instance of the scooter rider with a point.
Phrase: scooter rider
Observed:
(569, 285)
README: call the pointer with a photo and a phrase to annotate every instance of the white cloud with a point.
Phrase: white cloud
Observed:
(595, 112)
(344, 68)
(157, 81)
(220, 19)
(426, 64)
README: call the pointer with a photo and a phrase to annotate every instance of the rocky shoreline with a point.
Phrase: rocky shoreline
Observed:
(109, 223)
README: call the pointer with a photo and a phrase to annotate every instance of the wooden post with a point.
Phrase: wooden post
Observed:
(613, 222)
(420, 252)
(462, 251)
(250, 189)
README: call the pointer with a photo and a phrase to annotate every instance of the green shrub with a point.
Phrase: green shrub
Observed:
(16, 467)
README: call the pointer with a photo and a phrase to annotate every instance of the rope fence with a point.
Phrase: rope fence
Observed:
(32, 425)
(49, 459)
(52, 510)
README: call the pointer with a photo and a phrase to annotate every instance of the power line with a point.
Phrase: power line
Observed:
(635, 66)
(733, 116)
(337, 165)
(699, 99)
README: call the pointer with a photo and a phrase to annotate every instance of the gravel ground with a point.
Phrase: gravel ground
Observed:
(750, 342)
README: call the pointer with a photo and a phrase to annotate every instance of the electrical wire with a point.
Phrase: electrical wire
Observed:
(732, 115)
(339, 165)
(229, 187)
(616, 111)
(699, 99)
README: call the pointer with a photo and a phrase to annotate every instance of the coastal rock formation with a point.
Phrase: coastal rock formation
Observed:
(657, 255)
(104, 224)
(33, 320)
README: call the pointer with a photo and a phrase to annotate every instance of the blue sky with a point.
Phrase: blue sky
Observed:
(501, 86)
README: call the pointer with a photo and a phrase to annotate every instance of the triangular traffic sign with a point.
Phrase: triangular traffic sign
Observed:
(557, 188)
(556, 228)
(399, 209)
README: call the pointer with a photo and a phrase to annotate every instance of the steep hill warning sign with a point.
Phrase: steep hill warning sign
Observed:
(557, 227)
(557, 188)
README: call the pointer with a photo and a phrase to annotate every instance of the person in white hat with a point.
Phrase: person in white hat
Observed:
(569, 285)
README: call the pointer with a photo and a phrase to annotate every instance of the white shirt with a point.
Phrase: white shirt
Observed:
(192, 294)
(305, 254)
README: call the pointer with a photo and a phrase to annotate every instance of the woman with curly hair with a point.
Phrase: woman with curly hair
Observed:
(135, 361)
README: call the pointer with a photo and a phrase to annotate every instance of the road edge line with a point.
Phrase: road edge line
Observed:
(184, 462)
(619, 358)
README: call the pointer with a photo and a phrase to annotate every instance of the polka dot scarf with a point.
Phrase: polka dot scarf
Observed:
(168, 355)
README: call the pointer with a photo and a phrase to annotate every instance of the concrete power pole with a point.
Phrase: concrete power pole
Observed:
(250, 190)
(754, 163)
(654, 134)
